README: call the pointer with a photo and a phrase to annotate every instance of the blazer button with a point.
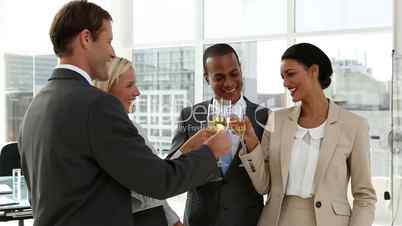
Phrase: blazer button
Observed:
(252, 167)
(318, 204)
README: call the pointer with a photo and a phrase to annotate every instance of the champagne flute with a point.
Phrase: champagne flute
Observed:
(215, 118)
(226, 108)
(237, 121)
(215, 121)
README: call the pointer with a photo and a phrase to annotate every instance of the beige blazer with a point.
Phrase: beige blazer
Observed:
(343, 156)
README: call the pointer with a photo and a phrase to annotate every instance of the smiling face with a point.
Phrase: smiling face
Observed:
(125, 89)
(224, 76)
(299, 79)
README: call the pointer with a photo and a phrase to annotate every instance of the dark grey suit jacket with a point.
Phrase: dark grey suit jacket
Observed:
(232, 201)
(81, 155)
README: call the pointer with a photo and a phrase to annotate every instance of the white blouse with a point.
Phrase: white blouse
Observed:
(303, 161)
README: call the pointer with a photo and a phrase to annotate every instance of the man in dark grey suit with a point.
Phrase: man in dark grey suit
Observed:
(231, 201)
(80, 153)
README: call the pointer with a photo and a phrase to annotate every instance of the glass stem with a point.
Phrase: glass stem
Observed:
(243, 144)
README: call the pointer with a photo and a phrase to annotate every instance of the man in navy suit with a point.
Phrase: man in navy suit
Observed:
(233, 200)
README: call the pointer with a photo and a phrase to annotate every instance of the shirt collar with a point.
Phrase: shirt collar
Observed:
(78, 70)
(315, 133)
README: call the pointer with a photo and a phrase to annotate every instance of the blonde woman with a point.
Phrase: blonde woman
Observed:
(311, 152)
(122, 84)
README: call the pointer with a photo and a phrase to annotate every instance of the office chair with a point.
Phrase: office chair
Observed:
(9, 159)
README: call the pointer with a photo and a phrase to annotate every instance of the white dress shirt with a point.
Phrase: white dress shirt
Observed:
(303, 161)
(235, 140)
(78, 70)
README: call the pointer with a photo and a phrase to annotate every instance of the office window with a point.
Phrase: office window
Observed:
(167, 133)
(17, 73)
(316, 15)
(163, 21)
(16, 105)
(166, 120)
(165, 80)
(154, 104)
(154, 132)
(13, 38)
(179, 105)
(44, 65)
(142, 101)
(166, 99)
(154, 120)
(145, 131)
(270, 89)
(25, 75)
(142, 119)
(396, 163)
(236, 18)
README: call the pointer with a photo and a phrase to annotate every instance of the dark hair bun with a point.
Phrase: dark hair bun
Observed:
(309, 54)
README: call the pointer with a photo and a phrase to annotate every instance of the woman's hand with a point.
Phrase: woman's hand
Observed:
(250, 138)
(245, 130)
(195, 141)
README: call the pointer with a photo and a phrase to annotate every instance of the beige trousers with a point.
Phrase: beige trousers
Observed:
(297, 211)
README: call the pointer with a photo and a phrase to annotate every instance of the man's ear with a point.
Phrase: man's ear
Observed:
(85, 38)
(206, 77)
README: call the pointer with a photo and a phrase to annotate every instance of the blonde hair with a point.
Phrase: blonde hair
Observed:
(116, 67)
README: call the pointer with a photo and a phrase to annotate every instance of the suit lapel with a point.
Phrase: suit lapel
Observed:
(327, 149)
(288, 131)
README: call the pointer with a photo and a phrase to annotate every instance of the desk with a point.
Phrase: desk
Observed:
(19, 211)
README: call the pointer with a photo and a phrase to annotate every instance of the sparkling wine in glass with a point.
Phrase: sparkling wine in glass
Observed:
(237, 122)
(215, 119)
(239, 126)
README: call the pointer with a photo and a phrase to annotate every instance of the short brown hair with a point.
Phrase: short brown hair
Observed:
(71, 19)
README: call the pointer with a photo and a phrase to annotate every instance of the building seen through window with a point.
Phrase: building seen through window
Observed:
(24, 76)
(165, 77)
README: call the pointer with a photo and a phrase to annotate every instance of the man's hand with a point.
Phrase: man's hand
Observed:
(219, 143)
(195, 141)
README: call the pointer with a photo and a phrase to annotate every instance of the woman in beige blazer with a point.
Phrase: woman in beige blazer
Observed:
(310, 152)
